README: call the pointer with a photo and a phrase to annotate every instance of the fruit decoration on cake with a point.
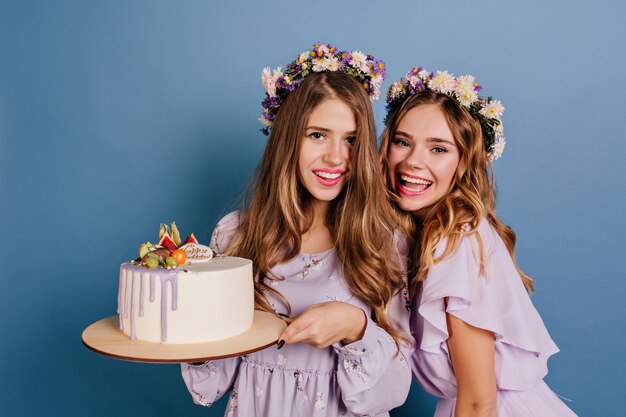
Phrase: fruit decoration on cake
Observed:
(171, 252)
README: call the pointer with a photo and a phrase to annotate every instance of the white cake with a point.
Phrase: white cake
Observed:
(196, 303)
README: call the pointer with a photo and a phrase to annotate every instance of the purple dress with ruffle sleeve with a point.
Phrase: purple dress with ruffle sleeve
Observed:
(363, 378)
(495, 300)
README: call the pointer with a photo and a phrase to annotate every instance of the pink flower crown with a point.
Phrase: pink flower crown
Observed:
(368, 71)
(464, 90)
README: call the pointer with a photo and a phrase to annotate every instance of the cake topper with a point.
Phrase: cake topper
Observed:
(171, 251)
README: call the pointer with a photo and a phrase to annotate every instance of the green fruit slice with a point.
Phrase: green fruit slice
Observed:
(175, 234)
(152, 262)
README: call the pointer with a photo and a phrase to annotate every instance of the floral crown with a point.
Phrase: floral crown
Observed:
(369, 72)
(464, 90)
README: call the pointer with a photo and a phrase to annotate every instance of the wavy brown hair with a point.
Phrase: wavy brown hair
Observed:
(472, 197)
(278, 209)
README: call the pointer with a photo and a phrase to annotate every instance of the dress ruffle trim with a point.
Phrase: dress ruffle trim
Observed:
(497, 302)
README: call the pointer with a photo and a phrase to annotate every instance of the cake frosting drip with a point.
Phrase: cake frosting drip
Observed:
(127, 300)
(186, 305)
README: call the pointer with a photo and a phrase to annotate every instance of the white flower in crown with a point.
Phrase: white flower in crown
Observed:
(368, 71)
(442, 82)
(464, 90)
(413, 79)
(499, 129)
(332, 63)
(304, 56)
(264, 121)
(325, 64)
(269, 79)
(498, 148)
(268, 82)
(465, 82)
(318, 65)
(377, 80)
(323, 49)
(492, 109)
(396, 89)
(466, 96)
(375, 95)
(359, 61)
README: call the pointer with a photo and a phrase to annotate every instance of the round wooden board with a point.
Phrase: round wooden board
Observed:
(106, 338)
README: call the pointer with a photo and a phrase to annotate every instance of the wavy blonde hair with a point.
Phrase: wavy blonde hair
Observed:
(472, 197)
(278, 209)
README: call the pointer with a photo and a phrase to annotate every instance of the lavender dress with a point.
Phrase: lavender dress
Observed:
(495, 301)
(363, 378)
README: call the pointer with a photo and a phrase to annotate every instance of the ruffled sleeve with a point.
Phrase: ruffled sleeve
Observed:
(493, 299)
(209, 381)
(224, 231)
(372, 377)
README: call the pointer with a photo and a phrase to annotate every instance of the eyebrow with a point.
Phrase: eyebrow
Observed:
(431, 139)
(323, 129)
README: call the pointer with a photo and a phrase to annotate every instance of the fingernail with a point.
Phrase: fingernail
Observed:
(282, 315)
(280, 344)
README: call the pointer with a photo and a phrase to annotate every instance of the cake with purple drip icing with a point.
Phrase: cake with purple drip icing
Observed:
(178, 293)
(196, 303)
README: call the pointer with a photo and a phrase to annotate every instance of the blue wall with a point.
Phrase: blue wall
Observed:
(116, 116)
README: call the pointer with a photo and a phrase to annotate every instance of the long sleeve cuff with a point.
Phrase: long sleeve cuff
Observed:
(361, 348)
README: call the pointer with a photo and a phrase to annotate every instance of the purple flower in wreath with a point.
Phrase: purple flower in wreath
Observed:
(323, 57)
(280, 82)
(379, 67)
(464, 90)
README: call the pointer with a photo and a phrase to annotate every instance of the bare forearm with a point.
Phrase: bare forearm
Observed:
(473, 356)
(469, 407)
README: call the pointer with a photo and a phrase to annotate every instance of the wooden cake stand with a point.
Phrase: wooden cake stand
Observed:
(106, 338)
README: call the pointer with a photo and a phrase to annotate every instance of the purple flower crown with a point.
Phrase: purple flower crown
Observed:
(464, 90)
(369, 72)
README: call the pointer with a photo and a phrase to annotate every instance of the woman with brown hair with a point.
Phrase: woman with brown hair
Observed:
(316, 228)
(481, 346)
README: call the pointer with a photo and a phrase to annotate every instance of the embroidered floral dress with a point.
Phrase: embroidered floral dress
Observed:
(496, 301)
(363, 378)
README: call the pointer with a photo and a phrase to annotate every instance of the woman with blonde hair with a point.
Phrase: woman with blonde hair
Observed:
(317, 230)
(481, 346)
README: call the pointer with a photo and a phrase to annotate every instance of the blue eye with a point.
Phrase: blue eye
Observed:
(350, 140)
(401, 142)
(439, 149)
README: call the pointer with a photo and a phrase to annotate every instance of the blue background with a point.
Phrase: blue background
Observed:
(116, 116)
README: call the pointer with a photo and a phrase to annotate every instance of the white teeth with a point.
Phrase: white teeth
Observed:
(327, 175)
(414, 180)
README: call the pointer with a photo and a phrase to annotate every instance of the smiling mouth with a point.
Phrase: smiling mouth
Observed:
(411, 185)
(327, 175)
(328, 178)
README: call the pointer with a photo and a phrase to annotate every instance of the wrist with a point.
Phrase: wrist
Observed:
(476, 406)
(359, 324)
